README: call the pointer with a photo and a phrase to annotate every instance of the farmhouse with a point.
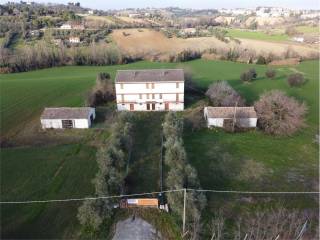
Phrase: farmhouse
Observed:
(66, 117)
(65, 26)
(150, 90)
(74, 39)
(244, 117)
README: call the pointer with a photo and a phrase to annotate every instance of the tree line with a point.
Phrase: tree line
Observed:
(42, 55)
(112, 159)
(181, 175)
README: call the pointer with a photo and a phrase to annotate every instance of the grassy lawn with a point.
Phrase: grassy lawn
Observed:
(239, 33)
(255, 161)
(307, 29)
(63, 171)
(145, 157)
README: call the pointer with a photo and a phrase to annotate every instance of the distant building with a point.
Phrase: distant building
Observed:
(66, 117)
(188, 31)
(135, 15)
(77, 26)
(150, 90)
(65, 26)
(298, 39)
(57, 41)
(244, 117)
(74, 39)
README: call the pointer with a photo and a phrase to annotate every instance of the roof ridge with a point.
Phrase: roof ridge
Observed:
(153, 69)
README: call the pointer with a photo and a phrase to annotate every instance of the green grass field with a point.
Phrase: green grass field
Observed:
(256, 35)
(61, 171)
(307, 29)
(57, 172)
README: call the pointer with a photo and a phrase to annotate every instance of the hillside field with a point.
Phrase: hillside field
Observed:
(258, 35)
(154, 43)
(254, 161)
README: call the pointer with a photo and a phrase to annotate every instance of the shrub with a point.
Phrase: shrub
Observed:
(270, 73)
(279, 114)
(102, 92)
(222, 94)
(249, 75)
(261, 60)
(194, 119)
(295, 80)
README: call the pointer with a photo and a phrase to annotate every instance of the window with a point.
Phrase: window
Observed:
(152, 95)
(147, 85)
(152, 85)
(67, 123)
(177, 97)
(147, 95)
(140, 96)
(121, 85)
(122, 98)
(177, 85)
(160, 95)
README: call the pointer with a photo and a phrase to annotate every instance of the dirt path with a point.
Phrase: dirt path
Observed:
(135, 229)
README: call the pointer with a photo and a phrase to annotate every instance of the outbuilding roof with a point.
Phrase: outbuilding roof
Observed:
(228, 112)
(149, 75)
(66, 113)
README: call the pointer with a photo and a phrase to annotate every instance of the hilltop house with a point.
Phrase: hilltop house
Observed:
(66, 26)
(74, 39)
(150, 90)
(67, 117)
(244, 117)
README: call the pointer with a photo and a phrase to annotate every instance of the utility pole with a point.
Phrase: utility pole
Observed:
(234, 116)
(184, 212)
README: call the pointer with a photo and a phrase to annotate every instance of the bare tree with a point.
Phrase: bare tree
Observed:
(279, 114)
(296, 79)
(279, 223)
(221, 94)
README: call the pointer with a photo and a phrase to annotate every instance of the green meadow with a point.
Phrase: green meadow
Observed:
(256, 35)
(242, 161)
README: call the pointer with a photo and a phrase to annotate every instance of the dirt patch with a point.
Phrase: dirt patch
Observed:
(285, 62)
(135, 228)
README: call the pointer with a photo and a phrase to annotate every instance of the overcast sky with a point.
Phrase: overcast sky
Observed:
(197, 4)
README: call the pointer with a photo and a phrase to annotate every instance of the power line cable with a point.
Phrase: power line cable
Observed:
(151, 193)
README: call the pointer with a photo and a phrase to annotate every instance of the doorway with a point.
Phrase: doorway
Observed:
(166, 106)
(131, 107)
(148, 106)
(67, 123)
(153, 105)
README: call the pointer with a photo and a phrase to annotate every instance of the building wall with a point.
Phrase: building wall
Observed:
(57, 123)
(244, 122)
(247, 122)
(173, 106)
(139, 94)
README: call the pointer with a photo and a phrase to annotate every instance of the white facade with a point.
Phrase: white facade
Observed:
(66, 26)
(250, 122)
(74, 40)
(150, 95)
(79, 122)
